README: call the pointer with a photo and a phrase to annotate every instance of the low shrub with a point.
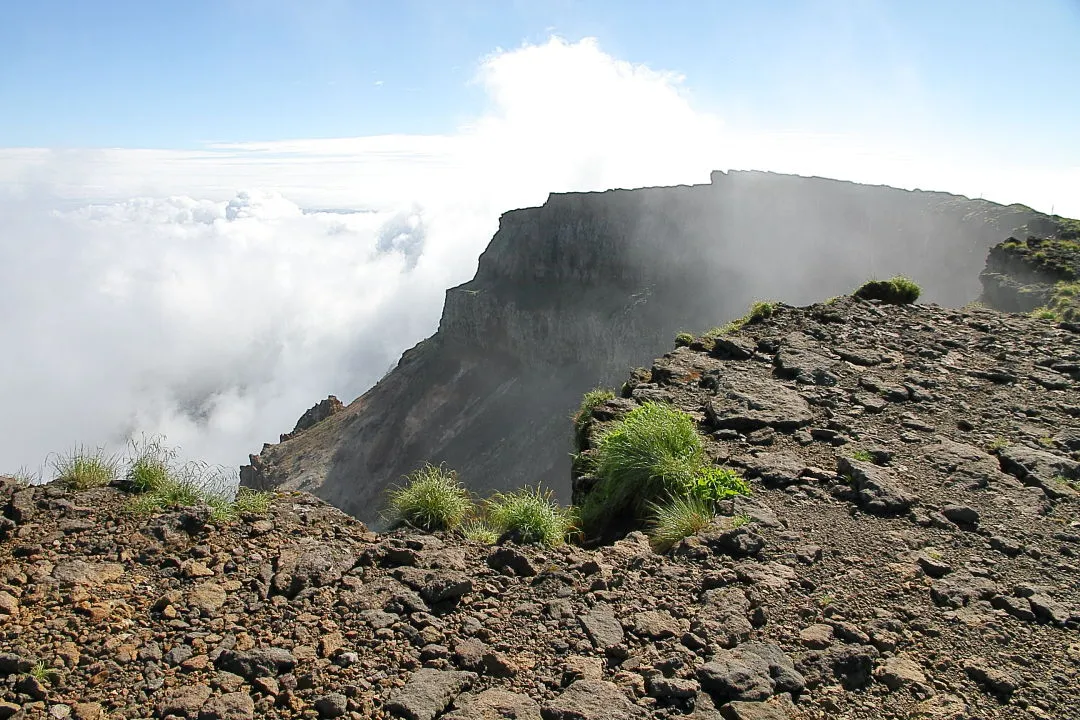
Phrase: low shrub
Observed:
(82, 469)
(678, 518)
(897, 291)
(713, 484)
(529, 516)
(760, 310)
(431, 499)
(683, 339)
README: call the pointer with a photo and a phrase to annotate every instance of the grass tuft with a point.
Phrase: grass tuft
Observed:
(653, 452)
(862, 456)
(479, 531)
(431, 499)
(678, 518)
(529, 516)
(82, 469)
(897, 291)
(683, 339)
(589, 402)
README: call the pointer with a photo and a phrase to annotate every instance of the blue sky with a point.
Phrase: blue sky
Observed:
(132, 73)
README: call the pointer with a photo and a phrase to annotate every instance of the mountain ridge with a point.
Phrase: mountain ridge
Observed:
(569, 294)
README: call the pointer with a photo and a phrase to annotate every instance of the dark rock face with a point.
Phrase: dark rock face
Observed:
(569, 295)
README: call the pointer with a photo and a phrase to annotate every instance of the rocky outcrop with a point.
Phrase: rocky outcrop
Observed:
(569, 295)
(1023, 275)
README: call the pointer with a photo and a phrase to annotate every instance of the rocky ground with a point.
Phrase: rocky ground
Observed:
(911, 553)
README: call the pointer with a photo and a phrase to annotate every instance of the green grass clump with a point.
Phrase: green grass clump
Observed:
(589, 402)
(431, 499)
(43, 673)
(530, 516)
(683, 339)
(862, 456)
(760, 310)
(479, 531)
(998, 443)
(82, 469)
(150, 464)
(741, 519)
(160, 484)
(897, 291)
(653, 452)
(678, 518)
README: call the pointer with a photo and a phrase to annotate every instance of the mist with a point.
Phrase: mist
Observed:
(212, 295)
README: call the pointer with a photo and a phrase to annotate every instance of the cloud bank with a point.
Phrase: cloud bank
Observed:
(213, 295)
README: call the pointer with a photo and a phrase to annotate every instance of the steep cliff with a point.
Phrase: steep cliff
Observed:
(571, 294)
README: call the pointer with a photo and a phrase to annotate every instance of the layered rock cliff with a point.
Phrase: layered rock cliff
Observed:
(569, 295)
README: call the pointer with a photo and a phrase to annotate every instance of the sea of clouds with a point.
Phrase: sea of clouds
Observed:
(213, 295)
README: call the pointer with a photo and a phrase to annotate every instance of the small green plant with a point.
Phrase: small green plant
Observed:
(825, 600)
(589, 402)
(82, 469)
(1071, 484)
(25, 476)
(998, 443)
(1046, 441)
(683, 339)
(897, 291)
(432, 498)
(1044, 313)
(740, 520)
(714, 484)
(678, 518)
(760, 310)
(252, 502)
(43, 673)
(862, 456)
(150, 464)
(530, 516)
(479, 531)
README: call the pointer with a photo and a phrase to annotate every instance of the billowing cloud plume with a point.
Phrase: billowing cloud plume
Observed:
(213, 295)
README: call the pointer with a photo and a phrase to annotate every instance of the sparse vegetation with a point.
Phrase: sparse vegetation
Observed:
(760, 310)
(529, 516)
(740, 520)
(43, 673)
(678, 518)
(683, 339)
(589, 402)
(862, 456)
(1046, 441)
(25, 476)
(82, 469)
(898, 290)
(432, 498)
(1071, 484)
(998, 443)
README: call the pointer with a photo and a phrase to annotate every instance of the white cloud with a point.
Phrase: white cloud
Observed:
(189, 293)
